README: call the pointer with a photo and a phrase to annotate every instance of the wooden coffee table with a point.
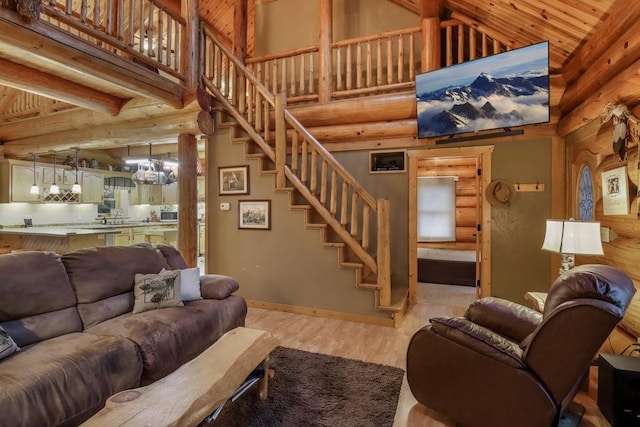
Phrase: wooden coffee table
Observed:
(192, 392)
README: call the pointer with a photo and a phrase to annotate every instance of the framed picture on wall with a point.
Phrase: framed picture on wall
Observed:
(233, 179)
(387, 161)
(254, 214)
(615, 191)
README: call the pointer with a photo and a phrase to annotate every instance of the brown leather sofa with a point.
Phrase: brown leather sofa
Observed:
(503, 364)
(79, 341)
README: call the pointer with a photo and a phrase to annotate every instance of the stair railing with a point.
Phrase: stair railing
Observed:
(356, 217)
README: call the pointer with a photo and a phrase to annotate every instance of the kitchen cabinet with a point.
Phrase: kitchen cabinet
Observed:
(92, 187)
(201, 188)
(170, 194)
(49, 173)
(138, 235)
(149, 194)
(17, 188)
(122, 239)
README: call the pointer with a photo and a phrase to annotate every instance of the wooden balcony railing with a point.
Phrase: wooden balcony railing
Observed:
(144, 31)
(360, 221)
(373, 64)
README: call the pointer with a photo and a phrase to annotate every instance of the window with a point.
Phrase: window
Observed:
(437, 209)
(585, 195)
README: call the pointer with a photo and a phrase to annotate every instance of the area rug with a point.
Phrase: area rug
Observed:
(311, 389)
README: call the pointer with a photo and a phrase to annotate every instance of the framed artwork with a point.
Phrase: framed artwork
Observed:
(387, 161)
(615, 191)
(254, 214)
(233, 180)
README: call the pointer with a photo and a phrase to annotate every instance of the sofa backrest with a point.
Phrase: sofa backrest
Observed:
(173, 256)
(37, 301)
(103, 278)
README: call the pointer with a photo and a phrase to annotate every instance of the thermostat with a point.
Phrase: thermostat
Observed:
(225, 206)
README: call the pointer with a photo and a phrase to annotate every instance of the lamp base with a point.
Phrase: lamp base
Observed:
(567, 263)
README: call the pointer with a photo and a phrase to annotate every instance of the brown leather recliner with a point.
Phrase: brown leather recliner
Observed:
(504, 364)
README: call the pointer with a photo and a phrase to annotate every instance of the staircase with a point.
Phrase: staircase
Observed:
(350, 219)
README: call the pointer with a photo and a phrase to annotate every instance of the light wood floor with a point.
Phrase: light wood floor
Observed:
(379, 344)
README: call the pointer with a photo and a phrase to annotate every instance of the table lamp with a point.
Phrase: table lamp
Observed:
(570, 238)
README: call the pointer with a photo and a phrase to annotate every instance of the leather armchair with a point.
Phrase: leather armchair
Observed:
(504, 364)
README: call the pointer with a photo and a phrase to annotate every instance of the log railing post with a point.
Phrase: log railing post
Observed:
(325, 80)
(189, 47)
(383, 258)
(431, 40)
(281, 139)
(187, 199)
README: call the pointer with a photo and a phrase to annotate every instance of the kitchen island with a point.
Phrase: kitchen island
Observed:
(55, 239)
(68, 238)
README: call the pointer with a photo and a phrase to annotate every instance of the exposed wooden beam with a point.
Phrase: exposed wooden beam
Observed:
(29, 80)
(619, 21)
(7, 97)
(118, 133)
(623, 88)
(38, 42)
(187, 198)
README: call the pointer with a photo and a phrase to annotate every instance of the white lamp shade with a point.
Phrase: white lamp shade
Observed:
(553, 236)
(54, 189)
(581, 238)
(76, 189)
(573, 237)
(35, 189)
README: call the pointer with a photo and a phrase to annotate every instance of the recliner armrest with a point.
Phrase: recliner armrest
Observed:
(216, 286)
(507, 318)
(480, 339)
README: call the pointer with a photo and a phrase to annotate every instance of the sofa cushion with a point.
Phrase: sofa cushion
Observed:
(7, 344)
(37, 301)
(173, 256)
(216, 286)
(102, 273)
(160, 290)
(53, 381)
(169, 337)
(189, 283)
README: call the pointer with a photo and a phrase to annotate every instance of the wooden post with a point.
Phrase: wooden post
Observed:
(189, 47)
(187, 198)
(384, 253)
(240, 49)
(430, 22)
(325, 80)
(281, 140)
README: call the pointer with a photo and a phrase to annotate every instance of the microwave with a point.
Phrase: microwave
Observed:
(168, 216)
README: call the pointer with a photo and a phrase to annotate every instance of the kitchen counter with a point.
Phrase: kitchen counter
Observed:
(57, 231)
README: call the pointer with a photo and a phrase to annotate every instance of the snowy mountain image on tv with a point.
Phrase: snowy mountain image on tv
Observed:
(500, 91)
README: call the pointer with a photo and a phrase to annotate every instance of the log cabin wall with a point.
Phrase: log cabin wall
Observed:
(591, 145)
(466, 170)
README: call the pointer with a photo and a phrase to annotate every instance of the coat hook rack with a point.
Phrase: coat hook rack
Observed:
(529, 187)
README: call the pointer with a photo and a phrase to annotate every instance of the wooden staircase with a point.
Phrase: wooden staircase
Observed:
(332, 201)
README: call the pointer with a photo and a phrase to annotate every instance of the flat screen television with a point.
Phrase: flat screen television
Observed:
(499, 91)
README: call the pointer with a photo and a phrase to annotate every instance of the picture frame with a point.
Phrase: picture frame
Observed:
(387, 161)
(254, 214)
(233, 180)
(615, 192)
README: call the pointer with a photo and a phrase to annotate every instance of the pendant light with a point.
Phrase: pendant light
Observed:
(34, 188)
(76, 189)
(54, 189)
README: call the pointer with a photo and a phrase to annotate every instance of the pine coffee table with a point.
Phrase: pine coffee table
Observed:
(191, 393)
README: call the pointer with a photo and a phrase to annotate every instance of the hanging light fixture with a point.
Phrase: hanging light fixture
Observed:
(76, 189)
(34, 188)
(54, 189)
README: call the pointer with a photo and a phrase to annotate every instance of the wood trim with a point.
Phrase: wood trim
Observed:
(316, 312)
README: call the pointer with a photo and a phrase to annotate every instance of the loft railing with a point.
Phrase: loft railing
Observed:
(25, 104)
(144, 31)
(373, 64)
(360, 221)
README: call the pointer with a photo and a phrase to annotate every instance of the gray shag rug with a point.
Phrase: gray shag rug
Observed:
(311, 389)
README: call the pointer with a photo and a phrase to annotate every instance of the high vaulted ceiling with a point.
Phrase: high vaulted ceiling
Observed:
(576, 30)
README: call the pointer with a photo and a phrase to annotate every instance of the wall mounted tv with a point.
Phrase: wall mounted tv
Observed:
(500, 91)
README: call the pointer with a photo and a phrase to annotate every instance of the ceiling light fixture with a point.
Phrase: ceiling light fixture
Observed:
(54, 189)
(34, 188)
(76, 189)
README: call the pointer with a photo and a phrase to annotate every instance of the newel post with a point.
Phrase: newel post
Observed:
(281, 139)
(325, 79)
(383, 258)
(430, 23)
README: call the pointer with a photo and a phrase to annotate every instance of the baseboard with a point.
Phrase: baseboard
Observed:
(329, 314)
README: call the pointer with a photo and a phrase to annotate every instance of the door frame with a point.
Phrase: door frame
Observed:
(483, 155)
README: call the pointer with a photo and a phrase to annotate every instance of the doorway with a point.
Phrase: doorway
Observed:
(473, 216)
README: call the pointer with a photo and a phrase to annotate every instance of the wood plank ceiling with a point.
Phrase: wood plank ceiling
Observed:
(567, 24)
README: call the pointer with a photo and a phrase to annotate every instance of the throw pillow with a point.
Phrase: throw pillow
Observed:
(153, 291)
(189, 283)
(7, 344)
